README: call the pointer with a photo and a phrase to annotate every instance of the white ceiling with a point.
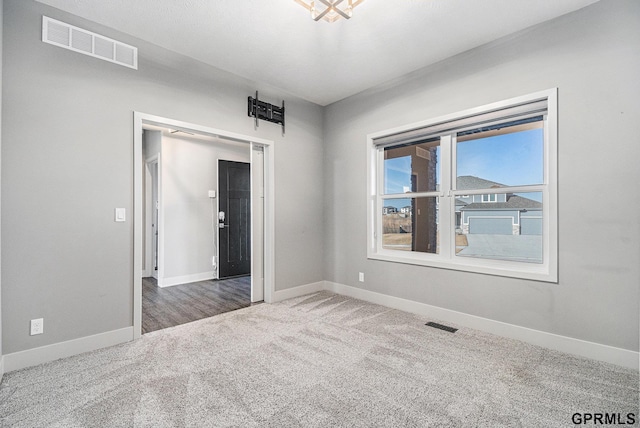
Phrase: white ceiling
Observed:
(277, 43)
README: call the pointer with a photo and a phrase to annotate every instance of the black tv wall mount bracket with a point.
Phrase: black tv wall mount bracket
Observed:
(265, 111)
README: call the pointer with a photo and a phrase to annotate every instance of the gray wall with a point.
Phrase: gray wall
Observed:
(68, 162)
(151, 141)
(593, 57)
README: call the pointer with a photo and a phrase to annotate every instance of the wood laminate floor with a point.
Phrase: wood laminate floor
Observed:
(180, 304)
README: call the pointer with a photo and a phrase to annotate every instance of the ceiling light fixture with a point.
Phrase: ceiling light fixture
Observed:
(331, 11)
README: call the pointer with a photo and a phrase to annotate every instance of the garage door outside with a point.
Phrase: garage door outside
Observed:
(530, 226)
(491, 226)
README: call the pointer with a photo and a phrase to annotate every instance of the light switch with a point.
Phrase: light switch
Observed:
(120, 214)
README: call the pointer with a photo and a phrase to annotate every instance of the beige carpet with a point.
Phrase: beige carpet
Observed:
(321, 360)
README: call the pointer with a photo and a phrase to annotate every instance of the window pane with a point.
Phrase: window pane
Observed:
(410, 224)
(412, 167)
(509, 230)
(509, 156)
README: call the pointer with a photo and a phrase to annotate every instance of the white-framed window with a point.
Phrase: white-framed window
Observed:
(481, 186)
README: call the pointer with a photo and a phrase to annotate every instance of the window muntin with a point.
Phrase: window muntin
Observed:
(517, 120)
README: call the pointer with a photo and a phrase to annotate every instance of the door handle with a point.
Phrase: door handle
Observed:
(222, 225)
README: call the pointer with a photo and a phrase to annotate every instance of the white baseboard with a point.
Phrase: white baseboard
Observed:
(298, 291)
(44, 354)
(609, 354)
(583, 348)
(185, 279)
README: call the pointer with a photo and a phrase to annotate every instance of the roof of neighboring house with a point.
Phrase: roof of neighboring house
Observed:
(467, 182)
(513, 202)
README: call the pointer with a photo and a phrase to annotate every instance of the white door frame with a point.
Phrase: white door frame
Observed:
(141, 119)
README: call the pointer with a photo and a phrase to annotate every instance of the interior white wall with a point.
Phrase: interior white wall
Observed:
(257, 224)
(151, 144)
(150, 150)
(593, 57)
(68, 147)
(189, 171)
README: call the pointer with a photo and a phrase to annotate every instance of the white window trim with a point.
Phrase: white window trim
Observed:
(546, 271)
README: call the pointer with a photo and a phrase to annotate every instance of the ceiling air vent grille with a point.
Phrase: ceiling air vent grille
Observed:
(76, 39)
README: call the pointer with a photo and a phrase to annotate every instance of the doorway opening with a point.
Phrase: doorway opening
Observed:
(169, 238)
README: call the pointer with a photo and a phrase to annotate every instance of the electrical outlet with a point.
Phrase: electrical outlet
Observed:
(361, 276)
(37, 326)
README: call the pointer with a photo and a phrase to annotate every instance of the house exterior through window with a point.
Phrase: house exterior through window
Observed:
(473, 191)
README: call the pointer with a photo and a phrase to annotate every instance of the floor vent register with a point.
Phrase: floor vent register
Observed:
(441, 327)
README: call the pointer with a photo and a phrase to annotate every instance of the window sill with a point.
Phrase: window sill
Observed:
(529, 271)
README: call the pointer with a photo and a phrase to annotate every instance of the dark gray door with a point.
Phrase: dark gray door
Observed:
(234, 180)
